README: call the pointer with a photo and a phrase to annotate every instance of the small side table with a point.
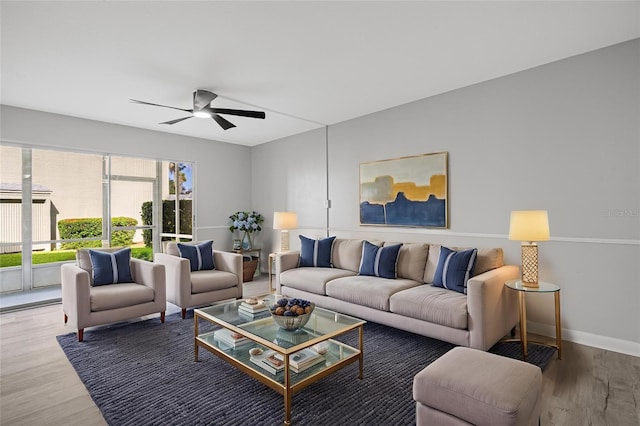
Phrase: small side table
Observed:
(544, 287)
(272, 259)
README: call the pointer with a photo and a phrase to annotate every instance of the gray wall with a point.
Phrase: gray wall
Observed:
(564, 137)
(290, 174)
(215, 162)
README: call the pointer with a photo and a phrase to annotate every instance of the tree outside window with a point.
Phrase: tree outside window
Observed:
(180, 176)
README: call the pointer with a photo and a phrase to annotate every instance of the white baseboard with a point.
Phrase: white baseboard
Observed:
(602, 342)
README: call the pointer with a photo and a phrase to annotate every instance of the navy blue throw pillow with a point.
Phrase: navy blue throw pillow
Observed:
(454, 269)
(111, 268)
(379, 261)
(316, 252)
(200, 255)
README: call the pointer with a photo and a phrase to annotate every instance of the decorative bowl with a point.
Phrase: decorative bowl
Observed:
(292, 322)
(255, 351)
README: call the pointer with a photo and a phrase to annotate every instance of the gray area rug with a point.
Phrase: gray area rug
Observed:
(143, 373)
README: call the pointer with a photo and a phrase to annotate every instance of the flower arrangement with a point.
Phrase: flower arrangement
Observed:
(246, 222)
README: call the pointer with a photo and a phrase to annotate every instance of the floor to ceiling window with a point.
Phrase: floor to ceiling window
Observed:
(130, 183)
(177, 211)
(11, 218)
(53, 202)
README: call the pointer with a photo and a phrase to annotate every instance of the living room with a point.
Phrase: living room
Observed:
(561, 136)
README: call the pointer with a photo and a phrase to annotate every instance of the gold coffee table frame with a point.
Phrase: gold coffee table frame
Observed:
(323, 326)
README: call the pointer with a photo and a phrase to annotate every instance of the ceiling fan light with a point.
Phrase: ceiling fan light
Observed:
(202, 114)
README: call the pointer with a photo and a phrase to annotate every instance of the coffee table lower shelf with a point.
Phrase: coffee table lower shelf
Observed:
(285, 382)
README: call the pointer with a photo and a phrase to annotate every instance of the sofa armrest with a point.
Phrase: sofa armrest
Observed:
(288, 260)
(493, 309)
(76, 302)
(228, 262)
(178, 277)
(284, 262)
(152, 275)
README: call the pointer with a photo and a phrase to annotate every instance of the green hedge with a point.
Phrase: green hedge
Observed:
(168, 218)
(91, 227)
(41, 257)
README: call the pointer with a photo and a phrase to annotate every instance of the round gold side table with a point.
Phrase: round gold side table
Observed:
(543, 287)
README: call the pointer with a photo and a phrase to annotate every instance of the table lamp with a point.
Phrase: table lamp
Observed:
(529, 226)
(284, 221)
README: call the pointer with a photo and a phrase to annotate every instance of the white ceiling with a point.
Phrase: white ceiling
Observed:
(325, 62)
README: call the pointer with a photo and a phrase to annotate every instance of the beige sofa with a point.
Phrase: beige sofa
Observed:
(477, 319)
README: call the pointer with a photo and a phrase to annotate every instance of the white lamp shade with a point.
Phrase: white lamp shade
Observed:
(285, 220)
(529, 225)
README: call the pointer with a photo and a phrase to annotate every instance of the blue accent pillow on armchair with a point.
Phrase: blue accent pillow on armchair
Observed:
(379, 261)
(316, 252)
(111, 267)
(200, 255)
(454, 269)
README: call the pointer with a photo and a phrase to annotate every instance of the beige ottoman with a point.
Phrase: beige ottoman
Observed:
(468, 386)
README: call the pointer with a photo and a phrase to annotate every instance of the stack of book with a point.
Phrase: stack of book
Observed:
(269, 361)
(301, 360)
(252, 310)
(229, 339)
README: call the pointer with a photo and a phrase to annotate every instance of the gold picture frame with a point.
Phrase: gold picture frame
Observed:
(406, 191)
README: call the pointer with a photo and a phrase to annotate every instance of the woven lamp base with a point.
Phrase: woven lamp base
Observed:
(529, 265)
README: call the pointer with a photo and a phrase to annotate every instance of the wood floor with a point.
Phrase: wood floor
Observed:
(38, 386)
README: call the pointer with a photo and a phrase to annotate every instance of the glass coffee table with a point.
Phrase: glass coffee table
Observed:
(260, 331)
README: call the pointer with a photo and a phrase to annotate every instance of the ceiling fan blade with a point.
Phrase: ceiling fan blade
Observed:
(225, 124)
(239, 112)
(202, 99)
(164, 106)
(177, 120)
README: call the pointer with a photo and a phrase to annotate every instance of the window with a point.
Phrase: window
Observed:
(177, 193)
(11, 218)
(83, 200)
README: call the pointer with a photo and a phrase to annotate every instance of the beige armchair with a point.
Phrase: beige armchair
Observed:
(87, 305)
(187, 289)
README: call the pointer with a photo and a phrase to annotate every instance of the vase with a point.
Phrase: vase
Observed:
(246, 241)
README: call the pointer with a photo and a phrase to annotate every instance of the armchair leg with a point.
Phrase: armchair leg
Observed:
(184, 313)
(162, 317)
(80, 334)
(66, 318)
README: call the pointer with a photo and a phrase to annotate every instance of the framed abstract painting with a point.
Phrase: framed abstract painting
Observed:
(406, 191)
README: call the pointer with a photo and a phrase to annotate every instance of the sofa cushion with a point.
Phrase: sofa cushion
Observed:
(316, 253)
(83, 259)
(312, 280)
(379, 261)
(432, 263)
(364, 290)
(171, 247)
(114, 296)
(454, 269)
(432, 304)
(111, 267)
(200, 255)
(488, 258)
(347, 254)
(212, 280)
(412, 260)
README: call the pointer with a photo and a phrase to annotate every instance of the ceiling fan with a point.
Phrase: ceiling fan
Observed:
(202, 108)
